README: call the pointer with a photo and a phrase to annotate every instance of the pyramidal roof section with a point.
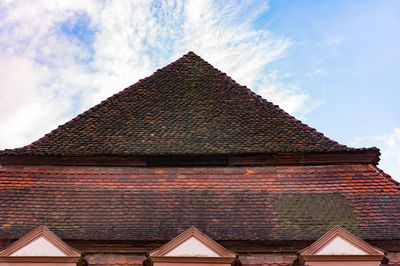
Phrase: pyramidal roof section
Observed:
(186, 108)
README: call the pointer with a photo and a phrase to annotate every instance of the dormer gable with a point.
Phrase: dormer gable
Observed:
(339, 241)
(340, 245)
(40, 242)
(194, 243)
(40, 245)
(192, 246)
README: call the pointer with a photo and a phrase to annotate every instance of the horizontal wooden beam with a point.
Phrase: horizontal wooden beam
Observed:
(276, 159)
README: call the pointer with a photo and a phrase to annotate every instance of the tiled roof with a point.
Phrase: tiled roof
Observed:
(226, 203)
(185, 108)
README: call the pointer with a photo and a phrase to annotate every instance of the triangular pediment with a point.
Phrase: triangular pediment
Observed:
(192, 243)
(339, 242)
(340, 246)
(41, 242)
(39, 247)
(192, 247)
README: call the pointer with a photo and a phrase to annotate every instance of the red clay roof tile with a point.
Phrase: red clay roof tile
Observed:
(238, 203)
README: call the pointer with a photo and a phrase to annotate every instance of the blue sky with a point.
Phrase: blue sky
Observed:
(332, 64)
(346, 55)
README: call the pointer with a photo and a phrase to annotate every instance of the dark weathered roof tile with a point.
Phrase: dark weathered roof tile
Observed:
(185, 108)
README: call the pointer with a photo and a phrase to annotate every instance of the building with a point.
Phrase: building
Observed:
(189, 167)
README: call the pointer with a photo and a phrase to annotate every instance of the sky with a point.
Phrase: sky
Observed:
(332, 64)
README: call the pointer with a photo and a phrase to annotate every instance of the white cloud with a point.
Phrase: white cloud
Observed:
(62, 57)
(389, 144)
(27, 107)
(277, 88)
(332, 40)
(289, 98)
(316, 73)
